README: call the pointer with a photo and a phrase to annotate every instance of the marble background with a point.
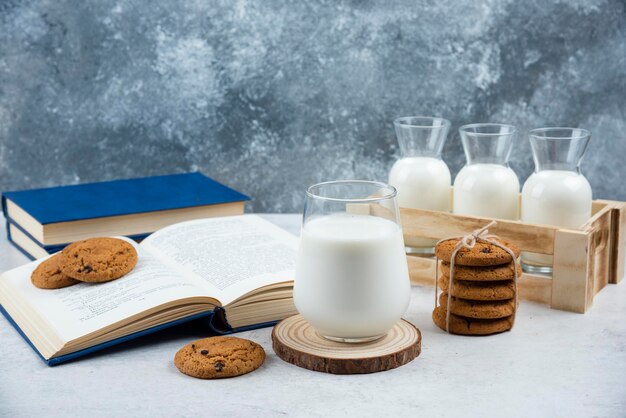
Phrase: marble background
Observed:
(271, 96)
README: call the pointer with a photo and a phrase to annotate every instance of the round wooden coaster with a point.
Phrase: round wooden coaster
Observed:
(296, 342)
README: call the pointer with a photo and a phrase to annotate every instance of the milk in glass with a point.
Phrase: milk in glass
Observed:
(352, 280)
(352, 275)
(486, 186)
(556, 193)
(421, 177)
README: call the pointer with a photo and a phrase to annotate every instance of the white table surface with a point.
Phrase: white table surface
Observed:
(552, 364)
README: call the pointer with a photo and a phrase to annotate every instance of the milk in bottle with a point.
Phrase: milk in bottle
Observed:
(486, 186)
(420, 176)
(556, 193)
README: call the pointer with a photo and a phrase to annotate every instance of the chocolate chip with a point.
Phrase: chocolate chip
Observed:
(204, 352)
(486, 250)
(219, 366)
(193, 346)
(87, 269)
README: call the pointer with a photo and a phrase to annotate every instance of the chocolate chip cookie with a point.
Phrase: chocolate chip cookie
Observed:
(98, 260)
(471, 326)
(501, 290)
(48, 274)
(478, 309)
(482, 274)
(482, 254)
(218, 357)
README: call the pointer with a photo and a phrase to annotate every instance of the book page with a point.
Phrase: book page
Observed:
(228, 256)
(77, 310)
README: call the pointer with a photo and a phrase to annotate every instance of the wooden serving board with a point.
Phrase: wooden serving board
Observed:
(296, 342)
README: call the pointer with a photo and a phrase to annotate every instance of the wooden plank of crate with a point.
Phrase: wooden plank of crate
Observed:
(619, 250)
(534, 288)
(617, 237)
(421, 270)
(600, 227)
(572, 276)
(618, 243)
(598, 205)
(434, 224)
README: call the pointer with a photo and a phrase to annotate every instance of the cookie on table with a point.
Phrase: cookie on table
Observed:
(218, 357)
(501, 290)
(482, 274)
(482, 254)
(471, 326)
(48, 274)
(98, 260)
(478, 309)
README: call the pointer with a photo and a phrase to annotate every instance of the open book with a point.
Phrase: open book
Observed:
(237, 271)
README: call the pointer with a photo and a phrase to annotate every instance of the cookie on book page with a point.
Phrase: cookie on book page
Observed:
(482, 274)
(489, 309)
(219, 357)
(48, 274)
(98, 260)
(471, 326)
(501, 290)
(482, 254)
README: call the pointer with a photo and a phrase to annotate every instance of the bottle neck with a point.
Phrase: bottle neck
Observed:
(558, 149)
(493, 148)
(421, 136)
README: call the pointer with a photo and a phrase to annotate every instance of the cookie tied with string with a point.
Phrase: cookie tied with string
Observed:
(479, 283)
(482, 254)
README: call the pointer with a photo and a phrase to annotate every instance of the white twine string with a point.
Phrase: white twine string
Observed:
(469, 241)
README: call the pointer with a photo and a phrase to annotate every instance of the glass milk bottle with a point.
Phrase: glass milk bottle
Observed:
(486, 186)
(556, 193)
(421, 177)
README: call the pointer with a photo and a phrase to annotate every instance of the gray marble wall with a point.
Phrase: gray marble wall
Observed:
(271, 96)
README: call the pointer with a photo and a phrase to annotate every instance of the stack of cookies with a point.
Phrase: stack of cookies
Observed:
(93, 260)
(483, 288)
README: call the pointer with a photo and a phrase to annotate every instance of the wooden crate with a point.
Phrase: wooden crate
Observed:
(585, 260)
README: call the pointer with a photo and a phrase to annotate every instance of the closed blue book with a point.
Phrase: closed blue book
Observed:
(229, 274)
(55, 216)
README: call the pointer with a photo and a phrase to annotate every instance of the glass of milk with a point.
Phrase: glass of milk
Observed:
(556, 193)
(420, 176)
(486, 186)
(352, 281)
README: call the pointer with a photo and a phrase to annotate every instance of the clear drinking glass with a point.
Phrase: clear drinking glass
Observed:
(556, 193)
(352, 281)
(486, 186)
(420, 176)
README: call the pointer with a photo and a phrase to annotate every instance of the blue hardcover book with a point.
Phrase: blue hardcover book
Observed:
(229, 274)
(54, 216)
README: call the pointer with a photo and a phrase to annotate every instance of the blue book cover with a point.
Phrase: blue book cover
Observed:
(121, 197)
